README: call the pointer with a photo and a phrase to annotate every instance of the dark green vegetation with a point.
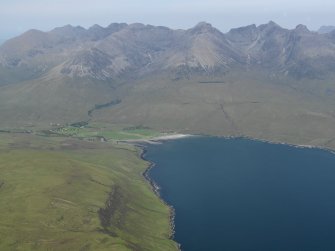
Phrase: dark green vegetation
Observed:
(102, 132)
(67, 194)
(101, 106)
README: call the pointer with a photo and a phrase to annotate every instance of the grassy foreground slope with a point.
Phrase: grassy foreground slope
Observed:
(66, 194)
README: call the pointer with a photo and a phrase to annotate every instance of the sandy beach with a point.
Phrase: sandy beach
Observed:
(156, 140)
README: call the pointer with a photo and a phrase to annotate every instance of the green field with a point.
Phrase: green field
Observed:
(68, 194)
(108, 132)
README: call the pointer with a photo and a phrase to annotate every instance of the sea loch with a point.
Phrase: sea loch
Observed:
(239, 194)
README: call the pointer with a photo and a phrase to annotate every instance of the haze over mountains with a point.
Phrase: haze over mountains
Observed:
(136, 49)
(326, 29)
(260, 81)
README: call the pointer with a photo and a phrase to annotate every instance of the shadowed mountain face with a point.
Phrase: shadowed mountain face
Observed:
(260, 81)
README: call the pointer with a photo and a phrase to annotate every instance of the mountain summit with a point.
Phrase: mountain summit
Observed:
(128, 50)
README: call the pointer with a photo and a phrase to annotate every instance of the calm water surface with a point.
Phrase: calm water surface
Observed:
(238, 194)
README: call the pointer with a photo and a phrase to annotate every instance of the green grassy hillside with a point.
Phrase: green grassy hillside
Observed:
(252, 104)
(65, 194)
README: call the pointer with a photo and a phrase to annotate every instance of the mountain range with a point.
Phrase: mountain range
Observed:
(326, 29)
(121, 50)
(261, 81)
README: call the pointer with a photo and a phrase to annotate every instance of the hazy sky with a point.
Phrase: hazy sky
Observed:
(17, 16)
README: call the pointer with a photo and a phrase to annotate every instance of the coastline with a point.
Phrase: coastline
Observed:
(140, 144)
(295, 145)
(303, 146)
(155, 188)
(156, 140)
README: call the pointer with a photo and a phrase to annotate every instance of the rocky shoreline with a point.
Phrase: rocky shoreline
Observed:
(156, 189)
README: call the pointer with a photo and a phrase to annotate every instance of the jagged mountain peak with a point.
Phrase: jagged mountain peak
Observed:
(273, 24)
(270, 26)
(97, 32)
(301, 28)
(138, 49)
(326, 29)
(203, 28)
(117, 26)
(244, 34)
(203, 25)
(95, 27)
(68, 29)
(69, 32)
(135, 26)
(250, 27)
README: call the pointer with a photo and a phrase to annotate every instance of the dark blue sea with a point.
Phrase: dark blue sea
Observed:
(246, 195)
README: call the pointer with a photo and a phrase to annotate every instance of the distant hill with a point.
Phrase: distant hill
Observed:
(326, 29)
(259, 81)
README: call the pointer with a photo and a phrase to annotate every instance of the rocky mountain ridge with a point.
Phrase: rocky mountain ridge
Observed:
(121, 50)
(326, 29)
